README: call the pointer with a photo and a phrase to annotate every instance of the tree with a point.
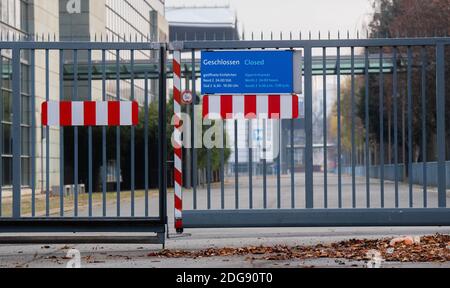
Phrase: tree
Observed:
(125, 151)
(346, 121)
(409, 18)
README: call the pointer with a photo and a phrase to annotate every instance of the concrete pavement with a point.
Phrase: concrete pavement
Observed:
(129, 256)
(198, 239)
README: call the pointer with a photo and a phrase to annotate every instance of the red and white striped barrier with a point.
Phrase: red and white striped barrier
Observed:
(217, 107)
(178, 149)
(90, 113)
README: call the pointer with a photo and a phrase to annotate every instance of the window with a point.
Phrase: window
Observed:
(7, 139)
(4, 11)
(26, 171)
(24, 16)
(14, 13)
(6, 117)
(7, 171)
(7, 106)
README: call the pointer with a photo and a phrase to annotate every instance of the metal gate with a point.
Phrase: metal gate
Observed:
(342, 164)
(351, 159)
(73, 160)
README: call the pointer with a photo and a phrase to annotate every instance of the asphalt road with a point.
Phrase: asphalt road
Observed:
(229, 196)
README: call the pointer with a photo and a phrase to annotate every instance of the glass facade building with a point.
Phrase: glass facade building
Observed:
(117, 20)
(133, 19)
(14, 15)
(14, 19)
(140, 19)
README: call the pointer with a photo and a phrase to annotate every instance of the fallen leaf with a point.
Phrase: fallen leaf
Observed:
(426, 249)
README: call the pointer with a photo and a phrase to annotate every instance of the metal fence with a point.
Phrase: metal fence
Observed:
(305, 185)
(418, 174)
(82, 179)
(272, 173)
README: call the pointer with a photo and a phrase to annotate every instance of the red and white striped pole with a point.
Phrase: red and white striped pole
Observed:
(178, 146)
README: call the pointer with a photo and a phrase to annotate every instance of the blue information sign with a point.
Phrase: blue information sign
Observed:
(245, 72)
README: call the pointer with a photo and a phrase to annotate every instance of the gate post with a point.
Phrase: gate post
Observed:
(309, 196)
(178, 146)
(17, 141)
(440, 111)
(162, 135)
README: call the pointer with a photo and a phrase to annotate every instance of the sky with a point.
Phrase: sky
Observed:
(294, 15)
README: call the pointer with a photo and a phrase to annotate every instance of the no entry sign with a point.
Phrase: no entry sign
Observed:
(258, 72)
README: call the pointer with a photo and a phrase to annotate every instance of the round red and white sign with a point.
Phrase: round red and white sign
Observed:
(187, 97)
